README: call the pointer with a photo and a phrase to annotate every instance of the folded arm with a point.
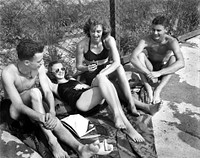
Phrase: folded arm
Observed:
(135, 60)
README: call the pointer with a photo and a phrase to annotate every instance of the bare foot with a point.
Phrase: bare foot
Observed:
(153, 108)
(134, 135)
(156, 97)
(149, 95)
(134, 111)
(119, 124)
(57, 150)
(88, 150)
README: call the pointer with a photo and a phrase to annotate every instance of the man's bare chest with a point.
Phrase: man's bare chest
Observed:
(158, 49)
(23, 84)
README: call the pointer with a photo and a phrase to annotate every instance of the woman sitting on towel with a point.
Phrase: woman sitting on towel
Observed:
(83, 98)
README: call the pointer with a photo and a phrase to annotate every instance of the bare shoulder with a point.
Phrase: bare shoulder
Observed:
(145, 41)
(9, 72)
(172, 41)
(109, 40)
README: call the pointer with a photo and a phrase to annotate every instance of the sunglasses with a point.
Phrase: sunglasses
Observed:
(61, 69)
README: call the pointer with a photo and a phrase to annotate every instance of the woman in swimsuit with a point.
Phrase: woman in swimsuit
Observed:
(93, 58)
(81, 97)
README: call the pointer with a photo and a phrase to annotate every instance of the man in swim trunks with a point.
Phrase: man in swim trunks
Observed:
(19, 82)
(157, 56)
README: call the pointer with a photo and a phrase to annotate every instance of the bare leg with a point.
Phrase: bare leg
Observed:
(126, 89)
(84, 151)
(143, 59)
(102, 81)
(36, 102)
(148, 88)
(108, 92)
(148, 108)
(165, 79)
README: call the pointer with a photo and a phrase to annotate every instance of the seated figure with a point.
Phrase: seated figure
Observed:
(93, 56)
(156, 58)
(19, 83)
(82, 97)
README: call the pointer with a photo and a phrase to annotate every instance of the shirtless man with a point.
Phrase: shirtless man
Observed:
(19, 85)
(157, 56)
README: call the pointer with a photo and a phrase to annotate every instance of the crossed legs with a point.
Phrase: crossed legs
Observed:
(154, 95)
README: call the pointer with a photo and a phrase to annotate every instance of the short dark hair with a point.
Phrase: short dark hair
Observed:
(97, 20)
(160, 20)
(27, 48)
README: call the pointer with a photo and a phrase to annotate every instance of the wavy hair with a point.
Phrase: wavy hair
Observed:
(97, 20)
(50, 74)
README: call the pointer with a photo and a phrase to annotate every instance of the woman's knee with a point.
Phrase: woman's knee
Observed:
(101, 78)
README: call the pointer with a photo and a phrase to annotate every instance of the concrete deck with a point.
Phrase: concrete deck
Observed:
(177, 124)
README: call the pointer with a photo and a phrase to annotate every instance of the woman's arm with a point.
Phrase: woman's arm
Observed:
(79, 56)
(110, 43)
(46, 89)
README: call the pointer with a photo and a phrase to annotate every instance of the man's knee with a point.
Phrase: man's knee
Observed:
(36, 94)
(142, 57)
(171, 60)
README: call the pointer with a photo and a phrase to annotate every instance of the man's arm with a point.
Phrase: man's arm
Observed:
(46, 89)
(135, 60)
(178, 64)
(8, 83)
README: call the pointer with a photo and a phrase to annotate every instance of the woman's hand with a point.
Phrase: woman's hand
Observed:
(92, 67)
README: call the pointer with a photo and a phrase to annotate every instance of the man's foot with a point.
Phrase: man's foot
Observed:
(119, 124)
(134, 135)
(156, 97)
(57, 150)
(153, 108)
(149, 96)
(88, 150)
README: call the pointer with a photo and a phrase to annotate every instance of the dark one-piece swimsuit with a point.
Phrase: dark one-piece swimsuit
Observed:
(70, 92)
(91, 56)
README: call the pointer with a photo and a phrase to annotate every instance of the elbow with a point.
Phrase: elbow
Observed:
(78, 66)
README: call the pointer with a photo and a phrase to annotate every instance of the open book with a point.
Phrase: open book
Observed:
(79, 125)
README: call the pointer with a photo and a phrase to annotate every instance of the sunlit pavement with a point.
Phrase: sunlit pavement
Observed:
(177, 124)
